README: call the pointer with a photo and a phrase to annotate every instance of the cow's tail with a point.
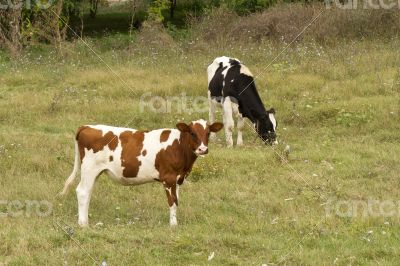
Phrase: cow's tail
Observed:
(71, 178)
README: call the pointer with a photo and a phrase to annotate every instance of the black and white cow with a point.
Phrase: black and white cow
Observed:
(231, 84)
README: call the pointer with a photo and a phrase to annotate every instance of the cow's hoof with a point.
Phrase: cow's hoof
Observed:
(83, 224)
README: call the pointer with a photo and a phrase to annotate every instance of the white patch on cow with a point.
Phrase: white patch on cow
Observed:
(152, 145)
(240, 123)
(232, 80)
(245, 70)
(172, 215)
(116, 130)
(273, 121)
(169, 190)
(114, 169)
(202, 146)
(202, 122)
(201, 149)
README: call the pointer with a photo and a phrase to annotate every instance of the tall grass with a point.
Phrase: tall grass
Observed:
(284, 22)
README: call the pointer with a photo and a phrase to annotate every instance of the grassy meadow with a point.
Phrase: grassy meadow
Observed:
(337, 107)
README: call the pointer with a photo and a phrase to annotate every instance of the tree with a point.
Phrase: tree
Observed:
(10, 26)
(93, 7)
(172, 8)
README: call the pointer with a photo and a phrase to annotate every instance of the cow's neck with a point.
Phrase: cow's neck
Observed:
(261, 124)
(189, 157)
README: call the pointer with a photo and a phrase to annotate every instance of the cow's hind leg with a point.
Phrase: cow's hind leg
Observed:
(212, 103)
(84, 192)
(239, 125)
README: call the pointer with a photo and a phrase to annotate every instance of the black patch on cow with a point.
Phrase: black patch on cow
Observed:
(180, 180)
(216, 83)
(233, 62)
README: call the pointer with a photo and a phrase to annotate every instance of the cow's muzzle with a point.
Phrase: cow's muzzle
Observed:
(270, 138)
(202, 150)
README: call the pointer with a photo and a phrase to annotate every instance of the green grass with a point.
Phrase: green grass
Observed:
(337, 107)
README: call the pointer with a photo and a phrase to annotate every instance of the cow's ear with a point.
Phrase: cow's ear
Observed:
(182, 127)
(216, 127)
(271, 111)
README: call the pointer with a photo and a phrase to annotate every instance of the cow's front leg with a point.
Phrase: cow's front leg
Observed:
(229, 124)
(240, 123)
(172, 196)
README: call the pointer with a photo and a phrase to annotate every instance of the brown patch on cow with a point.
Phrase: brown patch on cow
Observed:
(144, 152)
(164, 135)
(111, 158)
(176, 159)
(93, 139)
(132, 144)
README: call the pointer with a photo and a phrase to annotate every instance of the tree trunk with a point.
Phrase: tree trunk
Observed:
(93, 8)
(172, 8)
(10, 27)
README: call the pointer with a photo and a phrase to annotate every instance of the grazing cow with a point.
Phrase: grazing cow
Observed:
(231, 84)
(134, 157)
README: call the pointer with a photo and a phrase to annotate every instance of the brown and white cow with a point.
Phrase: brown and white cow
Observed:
(134, 157)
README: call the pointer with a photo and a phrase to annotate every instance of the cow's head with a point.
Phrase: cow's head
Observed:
(198, 133)
(266, 127)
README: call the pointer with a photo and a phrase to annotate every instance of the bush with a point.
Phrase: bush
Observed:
(284, 22)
